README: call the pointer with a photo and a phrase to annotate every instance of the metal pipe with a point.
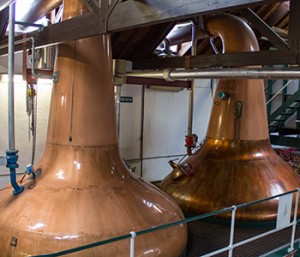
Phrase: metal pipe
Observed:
(221, 73)
(11, 70)
(38, 9)
(11, 153)
(191, 91)
(142, 130)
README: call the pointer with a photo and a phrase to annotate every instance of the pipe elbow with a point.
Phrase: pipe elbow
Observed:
(235, 33)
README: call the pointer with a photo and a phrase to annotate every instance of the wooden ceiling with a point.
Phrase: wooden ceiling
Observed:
(140, 43)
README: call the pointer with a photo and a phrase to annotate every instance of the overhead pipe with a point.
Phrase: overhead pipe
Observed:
(12, 153)
(189, 138)
(38, 9)
(184, 34)
(220, 73)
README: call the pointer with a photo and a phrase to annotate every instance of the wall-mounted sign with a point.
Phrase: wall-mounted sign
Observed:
(126, 99)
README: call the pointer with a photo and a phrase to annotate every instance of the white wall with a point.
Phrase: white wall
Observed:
(165, 125)
(21, 122)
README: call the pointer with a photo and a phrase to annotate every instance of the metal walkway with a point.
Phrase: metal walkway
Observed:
(206, 237)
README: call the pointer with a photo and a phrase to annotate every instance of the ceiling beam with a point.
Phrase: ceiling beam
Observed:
(276, 57)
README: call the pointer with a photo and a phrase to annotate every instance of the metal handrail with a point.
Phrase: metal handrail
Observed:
(278, 92)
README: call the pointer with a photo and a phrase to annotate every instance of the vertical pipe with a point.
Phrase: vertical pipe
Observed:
(142, 129)
(191, 91)
(11, 153)
(269, 95)
(11, 64)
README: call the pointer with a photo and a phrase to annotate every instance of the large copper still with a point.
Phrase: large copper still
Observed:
(236, 164)
(84, 193)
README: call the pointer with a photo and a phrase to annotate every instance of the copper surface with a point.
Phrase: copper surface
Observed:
(236, 163)
(85, 194)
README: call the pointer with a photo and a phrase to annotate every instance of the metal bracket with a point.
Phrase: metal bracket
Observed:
(119, 71)
(107, 6)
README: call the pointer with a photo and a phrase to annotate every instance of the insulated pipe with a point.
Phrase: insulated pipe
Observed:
(38, 9)
(221, 73)
(11, 70)
(191, 92)
(11, 153)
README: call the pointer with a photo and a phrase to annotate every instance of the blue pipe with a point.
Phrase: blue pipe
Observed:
(12, 163)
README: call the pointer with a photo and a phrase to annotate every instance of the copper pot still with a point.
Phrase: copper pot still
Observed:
(85, 194)
(236, 163)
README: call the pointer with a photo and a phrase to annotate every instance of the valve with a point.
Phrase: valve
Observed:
(180, 171)
(30, 170)
(12, 163)
(191, 140)
(223, 95)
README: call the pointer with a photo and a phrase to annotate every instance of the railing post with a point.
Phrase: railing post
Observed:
(133, 235)
(294, 222)
(234, 208)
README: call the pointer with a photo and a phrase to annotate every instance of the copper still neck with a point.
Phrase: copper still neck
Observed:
(238, 104)
(82, 110)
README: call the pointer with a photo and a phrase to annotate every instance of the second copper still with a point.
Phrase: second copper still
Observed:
(85, 194)
(236, 164)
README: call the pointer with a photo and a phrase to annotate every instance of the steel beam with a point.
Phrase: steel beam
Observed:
(276, 57)
(86, 25)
